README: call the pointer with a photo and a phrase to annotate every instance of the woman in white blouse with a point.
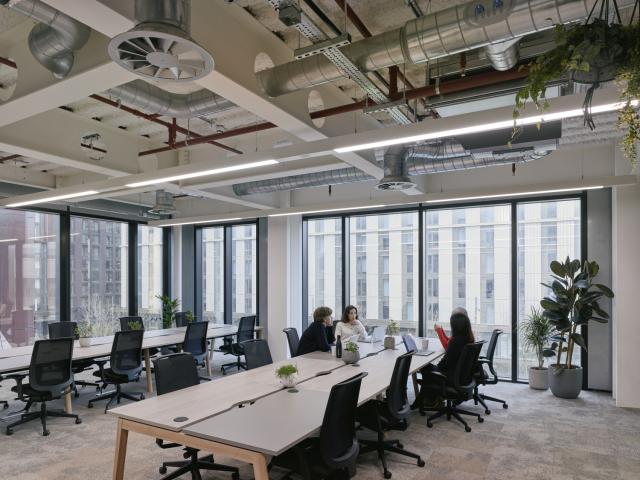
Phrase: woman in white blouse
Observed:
(349, 325)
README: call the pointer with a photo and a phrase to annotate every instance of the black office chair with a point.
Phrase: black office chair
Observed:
(483, 378)
(4, 403)
(195, 343)
(246, 328)
(455, 390)
(334, 453)
(50, 378)
(293, 340)
(392, 413)
(181, 319)
(256, 353)
(68, 330)
(125, 366)
(175, 372)
(135, 323)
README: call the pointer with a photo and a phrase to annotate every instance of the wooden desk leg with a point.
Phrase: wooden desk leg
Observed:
(208, 362)
(67, 402)
(147, 366)
(211, 347)
(260, 471)
(122, 436)
(416, 387)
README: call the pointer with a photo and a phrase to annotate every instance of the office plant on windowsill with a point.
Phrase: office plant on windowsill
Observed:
(535, 332)
(573, 303)
(169, 309)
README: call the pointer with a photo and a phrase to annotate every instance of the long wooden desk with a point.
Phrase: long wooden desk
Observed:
(214, 428)
(18, 359)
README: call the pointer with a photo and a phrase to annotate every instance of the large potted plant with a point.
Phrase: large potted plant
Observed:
(573, 303)
(594, 52)
(535, 332)
(169, 309)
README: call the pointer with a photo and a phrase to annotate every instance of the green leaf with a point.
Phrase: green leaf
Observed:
(547, 352)
(558, 268)
(599, 320)
(604, 289)
(579, 340)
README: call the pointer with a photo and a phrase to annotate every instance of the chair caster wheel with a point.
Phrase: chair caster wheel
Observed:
(235, 476)
(90, 405)
(505, 406)
(387, 474)
(78, 421)
(5, 406)
(480, 419)
(142, 396)
(429, 424)
(45, 433)
(467, 428)
(487, 412)
(9, 431)
(421, 462)
(162, 470)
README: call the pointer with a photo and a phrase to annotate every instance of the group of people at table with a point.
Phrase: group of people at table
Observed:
(320, 335)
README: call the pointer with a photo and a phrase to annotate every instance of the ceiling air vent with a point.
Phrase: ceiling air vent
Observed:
(160, 46)
(164, 204)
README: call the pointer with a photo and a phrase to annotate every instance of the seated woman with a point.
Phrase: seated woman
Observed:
(349, 325)
(318, 335)
(461, 335)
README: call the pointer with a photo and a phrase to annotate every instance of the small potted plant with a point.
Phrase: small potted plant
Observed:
(135, 325)
(351, 353)
(189, 316)
(169, 309)
(288, 374)
(535, 332)
(393, 329)
(84, 330)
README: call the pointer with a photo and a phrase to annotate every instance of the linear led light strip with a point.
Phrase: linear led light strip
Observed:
(486, 127)
(53, 199)
(201, 221)
(203, 173)
(515, 194)
(325, 210)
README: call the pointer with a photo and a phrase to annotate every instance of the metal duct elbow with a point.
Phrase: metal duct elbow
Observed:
(55, 39)
(504, 55)
(156, 101)
(395, 170)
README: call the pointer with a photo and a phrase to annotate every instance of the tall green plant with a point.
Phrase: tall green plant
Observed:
(573, 303)
(169, 309)
(535, 333)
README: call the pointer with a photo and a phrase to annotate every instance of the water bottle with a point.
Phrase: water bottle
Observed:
(338, 347)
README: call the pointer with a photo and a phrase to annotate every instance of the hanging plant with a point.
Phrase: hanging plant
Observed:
(592, 53)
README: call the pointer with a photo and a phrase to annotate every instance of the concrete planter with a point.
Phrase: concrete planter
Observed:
(85, 341)
(288, 382)
(390, 343)
(567, 384)
(350, 357)
(538, 378)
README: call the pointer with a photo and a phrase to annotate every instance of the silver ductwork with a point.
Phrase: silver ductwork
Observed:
(156, 101)
(439, 157)
(456, 29)
(395, 170)
(503, 55)
(54, 40)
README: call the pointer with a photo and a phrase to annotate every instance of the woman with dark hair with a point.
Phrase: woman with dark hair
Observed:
(349, 325)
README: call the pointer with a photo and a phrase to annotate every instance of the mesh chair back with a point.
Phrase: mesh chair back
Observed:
(338, 444)
(181, 319)
(175, 372)
(409, 343)
(246, 327)
(397, 401)
(293, 339)
(257, 353)
(493, 343)
(62, 330)
(195, 338)
(50, 368)
(126, 353)
(127, 323)
(463, 377)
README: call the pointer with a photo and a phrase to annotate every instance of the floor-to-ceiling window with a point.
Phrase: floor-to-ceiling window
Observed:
(150, 275)
(324, 275)
(547, 231)
(213, 274)
(29, 291)
(243, 271)
(99, 272)
(468, 264)
(383, 266)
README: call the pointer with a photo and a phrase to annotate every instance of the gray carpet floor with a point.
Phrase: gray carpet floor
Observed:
(539, 437)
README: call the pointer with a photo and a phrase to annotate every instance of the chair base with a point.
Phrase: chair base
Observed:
(482, 399)
(194, 465)
(116, 395)
(43, 414)
(239, 365)
(83, 383)
(393, 446)
(451, 410)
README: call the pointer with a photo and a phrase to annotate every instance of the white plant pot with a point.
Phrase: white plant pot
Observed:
(390, 343)
(538, 378)
(85, 341)
(350, 357)
(288, 382)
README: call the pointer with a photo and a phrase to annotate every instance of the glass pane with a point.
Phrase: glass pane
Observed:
(99, 266)
(213, 274)
(243, 271)
(547, 231)
(29, 245)
(324, 265)
(468, 264)
(384, 269)
(149, 276)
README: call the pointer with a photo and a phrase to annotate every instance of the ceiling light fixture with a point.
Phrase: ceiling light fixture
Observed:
(8, 240)
(203, 173)
(53, 199)
(486, 127)
(200, 221)
(514, 194)
(325, 210)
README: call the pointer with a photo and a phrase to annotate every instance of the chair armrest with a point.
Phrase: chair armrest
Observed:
(163, 445)
(18, 377)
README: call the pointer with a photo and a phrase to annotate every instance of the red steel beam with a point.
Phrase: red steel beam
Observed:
(8, 62)
(9, 157)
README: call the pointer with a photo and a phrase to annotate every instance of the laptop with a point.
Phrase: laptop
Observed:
(378, 334)
(410, 344)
